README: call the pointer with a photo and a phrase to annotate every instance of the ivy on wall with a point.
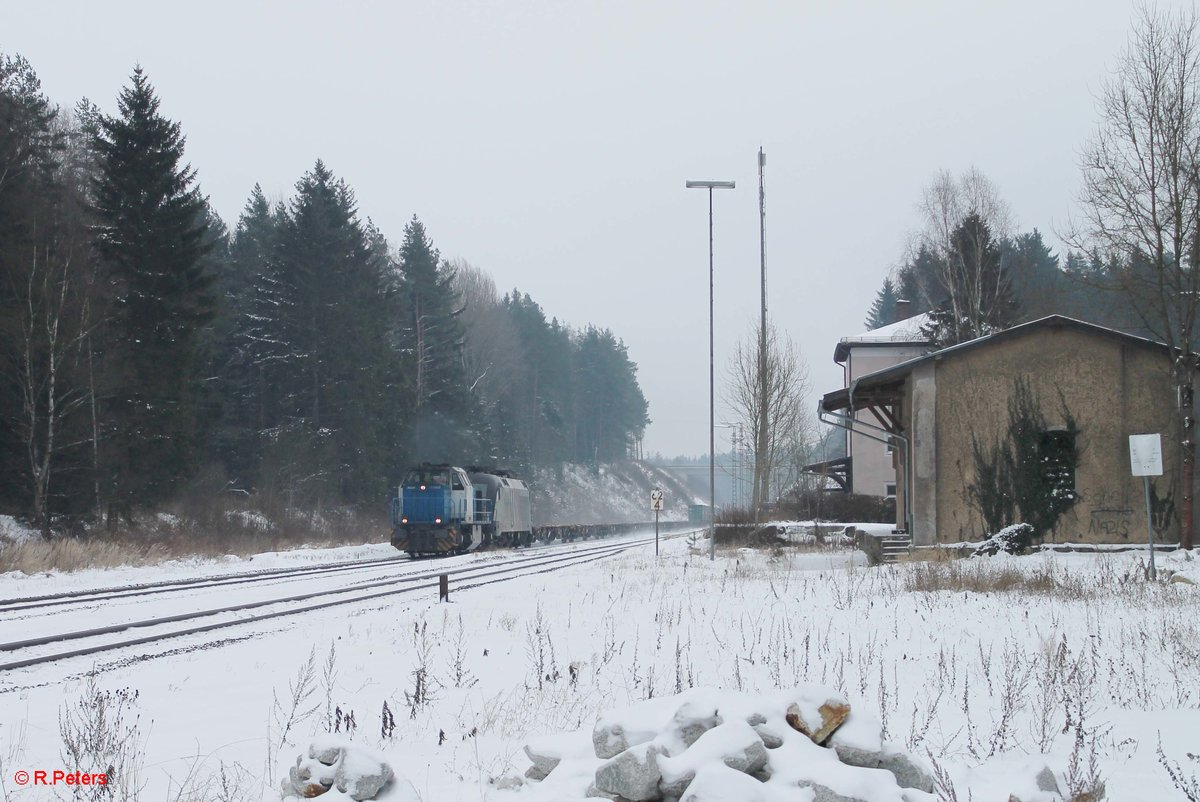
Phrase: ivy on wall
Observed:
(1028, 474)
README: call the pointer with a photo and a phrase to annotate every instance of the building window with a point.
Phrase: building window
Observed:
(890, 489)
(1058, 462)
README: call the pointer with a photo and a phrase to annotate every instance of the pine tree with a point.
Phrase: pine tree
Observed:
(29, 145)
(240, 371)
(431, 341)
(151, 234)
(610, 413)
(319, 334)
(883, 308)
(541, 407)
(1038, 284)
(919, 282)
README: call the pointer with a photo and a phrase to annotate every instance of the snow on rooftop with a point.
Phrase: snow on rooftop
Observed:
(907, 330)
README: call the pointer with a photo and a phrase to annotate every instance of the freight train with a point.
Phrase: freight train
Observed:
(445, 509)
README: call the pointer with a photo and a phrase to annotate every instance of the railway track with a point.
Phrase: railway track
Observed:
(35, 651)
(22, 603)
(19, 603)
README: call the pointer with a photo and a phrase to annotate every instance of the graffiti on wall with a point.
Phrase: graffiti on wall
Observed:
(1111, 523)
(1112, 517)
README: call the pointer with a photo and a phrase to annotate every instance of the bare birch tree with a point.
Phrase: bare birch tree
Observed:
(52, 325)
(492, 350)
(787, 385)
(1141, 197)
(964, 217)
(43, 246)
(46, 284)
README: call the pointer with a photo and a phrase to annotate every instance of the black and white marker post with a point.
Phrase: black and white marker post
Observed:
(656, 504)
(1145, 458)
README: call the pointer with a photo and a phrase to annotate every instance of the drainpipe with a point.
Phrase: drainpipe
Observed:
(848, 422)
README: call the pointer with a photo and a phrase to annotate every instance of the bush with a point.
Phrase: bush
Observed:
(1014, 539)
(810, 505)
(734, 525)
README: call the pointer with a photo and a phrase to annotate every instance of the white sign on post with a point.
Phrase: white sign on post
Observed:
(1145, 458)
(656, 500)
(1145, 454)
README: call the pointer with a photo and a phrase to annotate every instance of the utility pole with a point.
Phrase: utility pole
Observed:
(762, 480)
(712, 406)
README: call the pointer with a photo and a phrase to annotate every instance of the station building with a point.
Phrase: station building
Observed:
(1094, 386)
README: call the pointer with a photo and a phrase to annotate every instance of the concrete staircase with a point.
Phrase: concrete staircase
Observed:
(895, 545)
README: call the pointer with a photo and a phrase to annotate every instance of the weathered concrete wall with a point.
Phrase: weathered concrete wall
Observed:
(1113, 389)
(922, 400)
(874, 468)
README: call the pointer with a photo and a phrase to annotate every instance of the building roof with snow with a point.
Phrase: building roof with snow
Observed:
(902, 332)
(840, 399)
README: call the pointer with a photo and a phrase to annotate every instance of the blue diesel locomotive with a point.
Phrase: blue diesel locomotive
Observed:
(445, 509)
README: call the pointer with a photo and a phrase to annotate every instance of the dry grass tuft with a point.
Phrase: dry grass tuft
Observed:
(1104, 579)
(932, 554)
(220, 530)
(75, 554)
(978, 576)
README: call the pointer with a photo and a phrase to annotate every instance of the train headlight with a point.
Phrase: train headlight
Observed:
(404, 520)
(422, 487)
(437, 520)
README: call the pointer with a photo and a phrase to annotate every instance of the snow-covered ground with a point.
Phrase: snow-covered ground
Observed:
(983, 665)
(13, 531)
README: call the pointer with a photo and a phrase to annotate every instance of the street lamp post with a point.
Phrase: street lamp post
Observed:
(712, 423)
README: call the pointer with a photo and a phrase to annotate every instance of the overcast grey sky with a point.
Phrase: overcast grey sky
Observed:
(548, 142)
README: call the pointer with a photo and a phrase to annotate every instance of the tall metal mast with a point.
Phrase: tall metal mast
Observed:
(763, 481)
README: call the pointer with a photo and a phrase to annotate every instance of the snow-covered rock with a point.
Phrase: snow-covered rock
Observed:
(821, 723)
(1024, 778)
(859, 742)
(634, 774)
(1046, 781)
(907, 771)
(507, 783)
(718, 783)
(714, 744)
(800, 762)
(735, 745)
(595, 793)
(336, 769)
(620, 729)
(308, 778)
(328, 750)
(545, 753)
(693, 718)
(361, 775)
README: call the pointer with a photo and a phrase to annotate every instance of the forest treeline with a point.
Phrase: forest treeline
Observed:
(300, 356)
(974, 274)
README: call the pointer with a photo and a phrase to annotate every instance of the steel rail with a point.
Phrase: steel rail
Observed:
(146, 588)
(522, 567)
